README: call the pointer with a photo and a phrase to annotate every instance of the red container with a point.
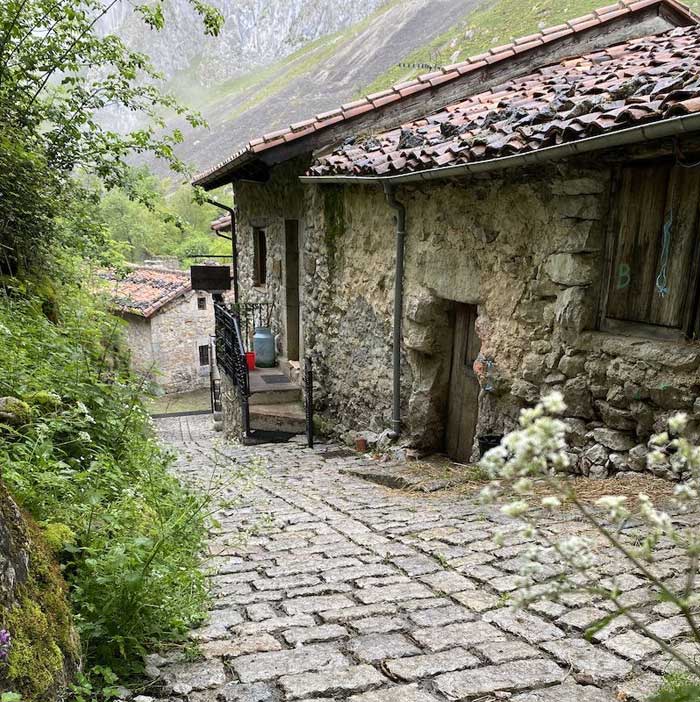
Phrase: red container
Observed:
(250, 359)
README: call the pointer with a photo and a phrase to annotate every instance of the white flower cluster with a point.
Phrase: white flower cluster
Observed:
(529, 478)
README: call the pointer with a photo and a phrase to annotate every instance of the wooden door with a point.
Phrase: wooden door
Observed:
(291, 243)
(463, 408)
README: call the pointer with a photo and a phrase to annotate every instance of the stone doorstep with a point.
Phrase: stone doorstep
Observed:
(396, 476)
(288, 417)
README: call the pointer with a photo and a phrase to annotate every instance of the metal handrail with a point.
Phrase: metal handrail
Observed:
(252, 315)
(231, 358)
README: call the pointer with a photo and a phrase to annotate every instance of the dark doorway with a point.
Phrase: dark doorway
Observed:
(463, 408)
(291, 243)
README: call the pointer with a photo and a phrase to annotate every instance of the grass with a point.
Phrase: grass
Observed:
(678, 687)
(493, 24)
(194, 401)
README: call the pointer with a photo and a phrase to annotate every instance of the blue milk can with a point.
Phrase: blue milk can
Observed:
(264, 346)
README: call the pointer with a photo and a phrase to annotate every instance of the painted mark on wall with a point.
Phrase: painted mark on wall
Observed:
(624, 276)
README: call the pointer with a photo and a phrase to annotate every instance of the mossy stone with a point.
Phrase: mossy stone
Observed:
(14, 411)
(45, 649)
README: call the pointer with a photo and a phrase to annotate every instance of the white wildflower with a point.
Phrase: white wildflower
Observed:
(84, 437)
(530, 414)
(515, 509)
(678, 422)
(523, 486)
(554, 403)
(659, 439)
(551, 502)
(615, 505)
(656, 518)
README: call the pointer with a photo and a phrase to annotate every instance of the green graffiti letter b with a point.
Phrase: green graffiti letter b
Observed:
(624, 276)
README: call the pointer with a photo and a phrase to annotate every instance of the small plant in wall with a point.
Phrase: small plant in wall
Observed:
(616, 538)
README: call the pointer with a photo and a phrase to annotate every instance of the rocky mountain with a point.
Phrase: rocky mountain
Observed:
(256, 33)
(279, 61)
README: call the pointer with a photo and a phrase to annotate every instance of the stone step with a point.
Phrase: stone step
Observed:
(287, 417)
(283, 396)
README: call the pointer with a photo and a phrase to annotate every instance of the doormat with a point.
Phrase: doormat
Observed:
(275, 379)
(260, 436)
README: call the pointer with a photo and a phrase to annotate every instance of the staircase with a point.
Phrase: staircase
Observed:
(275, 403)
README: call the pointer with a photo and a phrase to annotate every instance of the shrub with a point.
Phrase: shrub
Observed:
(87, 466)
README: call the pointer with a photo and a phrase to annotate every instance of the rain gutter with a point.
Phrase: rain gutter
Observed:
(233, 240)
(400, 210)
(624, 137)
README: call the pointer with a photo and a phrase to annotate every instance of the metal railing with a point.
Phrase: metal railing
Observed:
(230, 355)
(309, 400)
(252, 315)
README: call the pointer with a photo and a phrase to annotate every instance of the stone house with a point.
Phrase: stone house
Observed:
(452, 248)
(168, 325)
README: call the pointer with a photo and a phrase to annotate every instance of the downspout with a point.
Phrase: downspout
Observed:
(234, 243)
(398, 306)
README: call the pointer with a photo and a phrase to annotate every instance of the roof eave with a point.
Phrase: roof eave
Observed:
(662, 129)
(259, 152)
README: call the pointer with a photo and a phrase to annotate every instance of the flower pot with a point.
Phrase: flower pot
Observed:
(250, 359)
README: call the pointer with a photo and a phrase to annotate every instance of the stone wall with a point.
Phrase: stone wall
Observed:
(267, 208)
(527, 248)
(165, 347)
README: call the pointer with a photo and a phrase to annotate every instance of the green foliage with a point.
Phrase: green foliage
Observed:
(56, 73)
(81, 457)
(88, 468)
(678, 687)
(155, 224)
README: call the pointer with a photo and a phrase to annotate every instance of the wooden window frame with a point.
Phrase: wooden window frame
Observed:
(259, 257)
(690, 327)
(204, 356)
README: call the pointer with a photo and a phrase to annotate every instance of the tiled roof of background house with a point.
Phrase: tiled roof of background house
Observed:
(221, 224)
(145, 289)
(644, 80)
(447, 74)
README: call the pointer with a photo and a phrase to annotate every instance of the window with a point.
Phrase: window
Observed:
(652, 252)
(204, 355)
(259, 257)
(201, 303)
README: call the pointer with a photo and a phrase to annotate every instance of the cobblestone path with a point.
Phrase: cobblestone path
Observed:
(348, 590)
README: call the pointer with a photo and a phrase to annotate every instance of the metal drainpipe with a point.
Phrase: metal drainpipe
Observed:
(398, 305)
(234, 243)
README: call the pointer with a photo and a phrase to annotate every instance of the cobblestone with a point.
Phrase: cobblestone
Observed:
(347, 590)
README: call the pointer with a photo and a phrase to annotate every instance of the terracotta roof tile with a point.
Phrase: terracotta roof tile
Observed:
(145, 290)
(430, 80)
(640, 81)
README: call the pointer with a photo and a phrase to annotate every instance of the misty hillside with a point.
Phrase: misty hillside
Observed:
(282, 61)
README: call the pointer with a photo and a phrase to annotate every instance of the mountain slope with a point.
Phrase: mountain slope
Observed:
(493, 24)
(393, 40)
(318, 77)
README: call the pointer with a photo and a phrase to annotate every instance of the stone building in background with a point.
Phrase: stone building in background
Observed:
(168, 325)
(544, 198)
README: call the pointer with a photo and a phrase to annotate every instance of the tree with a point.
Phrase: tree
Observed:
(56, 74)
